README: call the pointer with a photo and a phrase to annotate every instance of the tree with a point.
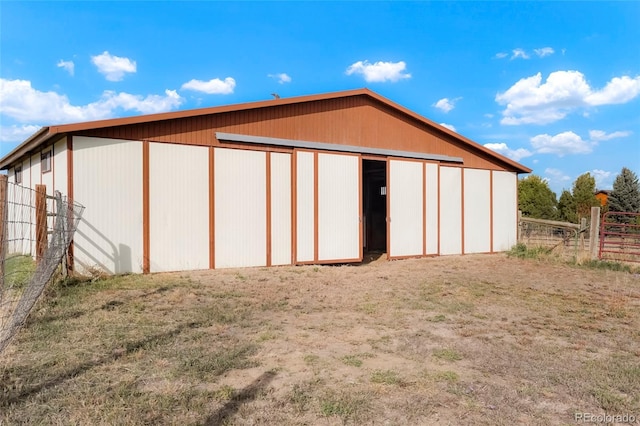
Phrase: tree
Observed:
(536, 199)
(584, 195)
(625, 196)
(567, 207)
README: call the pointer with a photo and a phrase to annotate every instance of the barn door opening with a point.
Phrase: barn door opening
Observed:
(374, 205)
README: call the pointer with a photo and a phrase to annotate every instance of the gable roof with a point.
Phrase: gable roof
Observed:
(50, 133)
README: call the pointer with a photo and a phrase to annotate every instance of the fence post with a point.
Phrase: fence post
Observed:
(583, 227)
(519, 235)
(4, 214)
(41, 221)
(594, 241)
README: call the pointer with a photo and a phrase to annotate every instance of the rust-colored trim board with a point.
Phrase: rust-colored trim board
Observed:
(294, 207)
(491, 210)
(424, 209)
(360, 212)
(462, 209)
(388, 201)
(212, 212)
(146, 238)
(439, 209)
(268, 184)
(315, 206)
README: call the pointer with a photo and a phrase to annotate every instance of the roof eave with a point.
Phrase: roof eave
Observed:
(31, 143)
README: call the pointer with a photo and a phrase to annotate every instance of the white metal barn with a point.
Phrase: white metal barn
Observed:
(314, 179)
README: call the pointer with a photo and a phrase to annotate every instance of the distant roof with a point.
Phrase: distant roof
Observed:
(48, 133)
(603, 191)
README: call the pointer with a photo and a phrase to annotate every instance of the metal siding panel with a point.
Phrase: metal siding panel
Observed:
(178, 207)
(304, 207)
(406, 205)
(338, 207)
(432, 208)
(240, 208)
(450, 210)
(36, 175)
(477, 211)
(60, 167)
(280, 209)
(107, 175)
(26, 173)
(504, 210)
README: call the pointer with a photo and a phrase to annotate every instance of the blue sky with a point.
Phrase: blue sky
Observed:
(555, 86)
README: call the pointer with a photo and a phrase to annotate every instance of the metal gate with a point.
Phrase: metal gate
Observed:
(620, 237)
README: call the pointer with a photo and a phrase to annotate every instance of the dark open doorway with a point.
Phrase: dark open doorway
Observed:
(374, 205)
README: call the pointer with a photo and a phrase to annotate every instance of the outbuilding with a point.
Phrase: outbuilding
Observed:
(312, 179)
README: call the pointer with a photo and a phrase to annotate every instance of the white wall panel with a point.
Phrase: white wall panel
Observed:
(305, 207)
(26, 173)
(505, 201)
(477, 211)
(178, 207)
(432, 187)
(280, 208)
(240, 208)
(47, 177)
(338, 207)
(36, 175)
(406, 207)
(107, 180)
(450, 210)
(60, 167)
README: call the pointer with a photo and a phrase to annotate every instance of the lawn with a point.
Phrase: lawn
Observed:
(481, 339)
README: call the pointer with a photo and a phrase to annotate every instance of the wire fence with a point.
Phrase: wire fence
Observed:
(562, 238)
(35, 233)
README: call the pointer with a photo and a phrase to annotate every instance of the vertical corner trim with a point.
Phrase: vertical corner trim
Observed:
(146, 239)
(268, 184)
(212, 211)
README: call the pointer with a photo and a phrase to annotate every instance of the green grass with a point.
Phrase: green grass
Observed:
(386, 377)
(447, 354)
(18, 271)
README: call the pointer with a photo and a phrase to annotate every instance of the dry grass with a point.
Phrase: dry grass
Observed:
(452, 340)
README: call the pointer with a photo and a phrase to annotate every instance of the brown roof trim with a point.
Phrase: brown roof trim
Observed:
(46, 133)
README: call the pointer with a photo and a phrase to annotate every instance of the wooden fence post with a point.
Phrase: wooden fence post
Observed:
(4, 214)
(41, 221)
(519, 234)
(594, 233)
(583, 227)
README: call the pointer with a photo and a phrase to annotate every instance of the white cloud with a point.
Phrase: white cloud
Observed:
(514, 154)
(617, 91)
(501, 55)
(281, 77)
(570, 143)
(599, 135)
(519, 53)
(449, 126)
(113, 67)
(603, 178)
(69, 66)
(555, 175)
(379, 72)
(544, 51)
(529, 101)
(15, 133)
(25, 104)
(214, 86)
(561, 144)
(446, 104)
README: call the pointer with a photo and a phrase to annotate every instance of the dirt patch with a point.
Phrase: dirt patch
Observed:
(449, 340)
